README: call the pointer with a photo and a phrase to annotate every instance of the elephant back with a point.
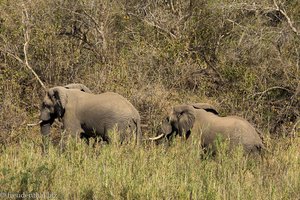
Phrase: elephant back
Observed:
(245, 134)
(78, 86)
(129, 112)
(116, 99)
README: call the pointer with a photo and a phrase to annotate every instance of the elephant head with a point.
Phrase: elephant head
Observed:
(78, 86)
(181, 119)
(54, 103)
(53, 107)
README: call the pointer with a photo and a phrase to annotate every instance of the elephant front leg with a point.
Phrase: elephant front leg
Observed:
(106, 138)
(73, 126)
(45, 131)
(85, 137)
(92, 133)
(45, 144)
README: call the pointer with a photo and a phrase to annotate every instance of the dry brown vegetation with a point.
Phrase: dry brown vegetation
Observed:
(241, 56)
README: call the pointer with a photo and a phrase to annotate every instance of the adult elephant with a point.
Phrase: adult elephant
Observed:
(203, 119)
(90, 115)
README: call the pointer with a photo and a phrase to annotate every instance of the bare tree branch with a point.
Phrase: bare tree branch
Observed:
(172, 6)
(13, 55)
(155, 25)
(269, 89)
(99, 29)
(294, 129)
(25, 20)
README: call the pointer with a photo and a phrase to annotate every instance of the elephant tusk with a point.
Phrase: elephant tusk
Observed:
(157, 137)
(35, 123)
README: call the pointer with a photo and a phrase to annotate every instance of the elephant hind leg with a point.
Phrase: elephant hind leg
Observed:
(208, 152)
(97, 140)
(253, 148)
(105, 136)
(258, 148)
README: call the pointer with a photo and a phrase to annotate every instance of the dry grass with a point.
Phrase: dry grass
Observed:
(150, 172)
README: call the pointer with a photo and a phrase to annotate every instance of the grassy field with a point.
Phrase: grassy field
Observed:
(152, 171)
(241, 56)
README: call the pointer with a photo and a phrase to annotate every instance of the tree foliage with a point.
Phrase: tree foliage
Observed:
(241, 55)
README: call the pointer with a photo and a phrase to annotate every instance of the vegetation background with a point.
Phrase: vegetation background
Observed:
(242, 56)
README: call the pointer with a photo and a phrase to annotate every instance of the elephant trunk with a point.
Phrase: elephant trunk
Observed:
(45, 131)
(167, 130)
(45, 128)
(138, 132)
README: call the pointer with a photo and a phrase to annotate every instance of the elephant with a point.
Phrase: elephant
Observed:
(78, 86)
(90, 115)
(203, 119)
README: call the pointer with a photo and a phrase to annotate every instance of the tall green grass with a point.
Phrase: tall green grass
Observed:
(150, 172)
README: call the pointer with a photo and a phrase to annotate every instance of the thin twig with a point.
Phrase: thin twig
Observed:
(289, 21)
(172, 6)
(269, 89)
(155, 25)
(13, 55)
(99, 29)
(293, 132)
(25, 19)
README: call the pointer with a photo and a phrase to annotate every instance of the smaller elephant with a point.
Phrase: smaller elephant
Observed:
(90, 115)
(78, 86)
(203, 119)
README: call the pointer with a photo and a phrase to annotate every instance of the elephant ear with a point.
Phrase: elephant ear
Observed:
(186, 119)
(206, 106)
(59, 98)
(78, 86)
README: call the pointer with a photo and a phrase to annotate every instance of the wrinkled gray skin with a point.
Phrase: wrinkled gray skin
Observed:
(89, 115)
(202, 119)
(78, 86)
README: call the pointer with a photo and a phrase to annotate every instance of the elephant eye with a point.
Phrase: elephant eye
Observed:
(180, 114)
(46, 105)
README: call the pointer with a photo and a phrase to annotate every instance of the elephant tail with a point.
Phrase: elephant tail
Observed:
(261, 136)
(262, 149)
(138, 131)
